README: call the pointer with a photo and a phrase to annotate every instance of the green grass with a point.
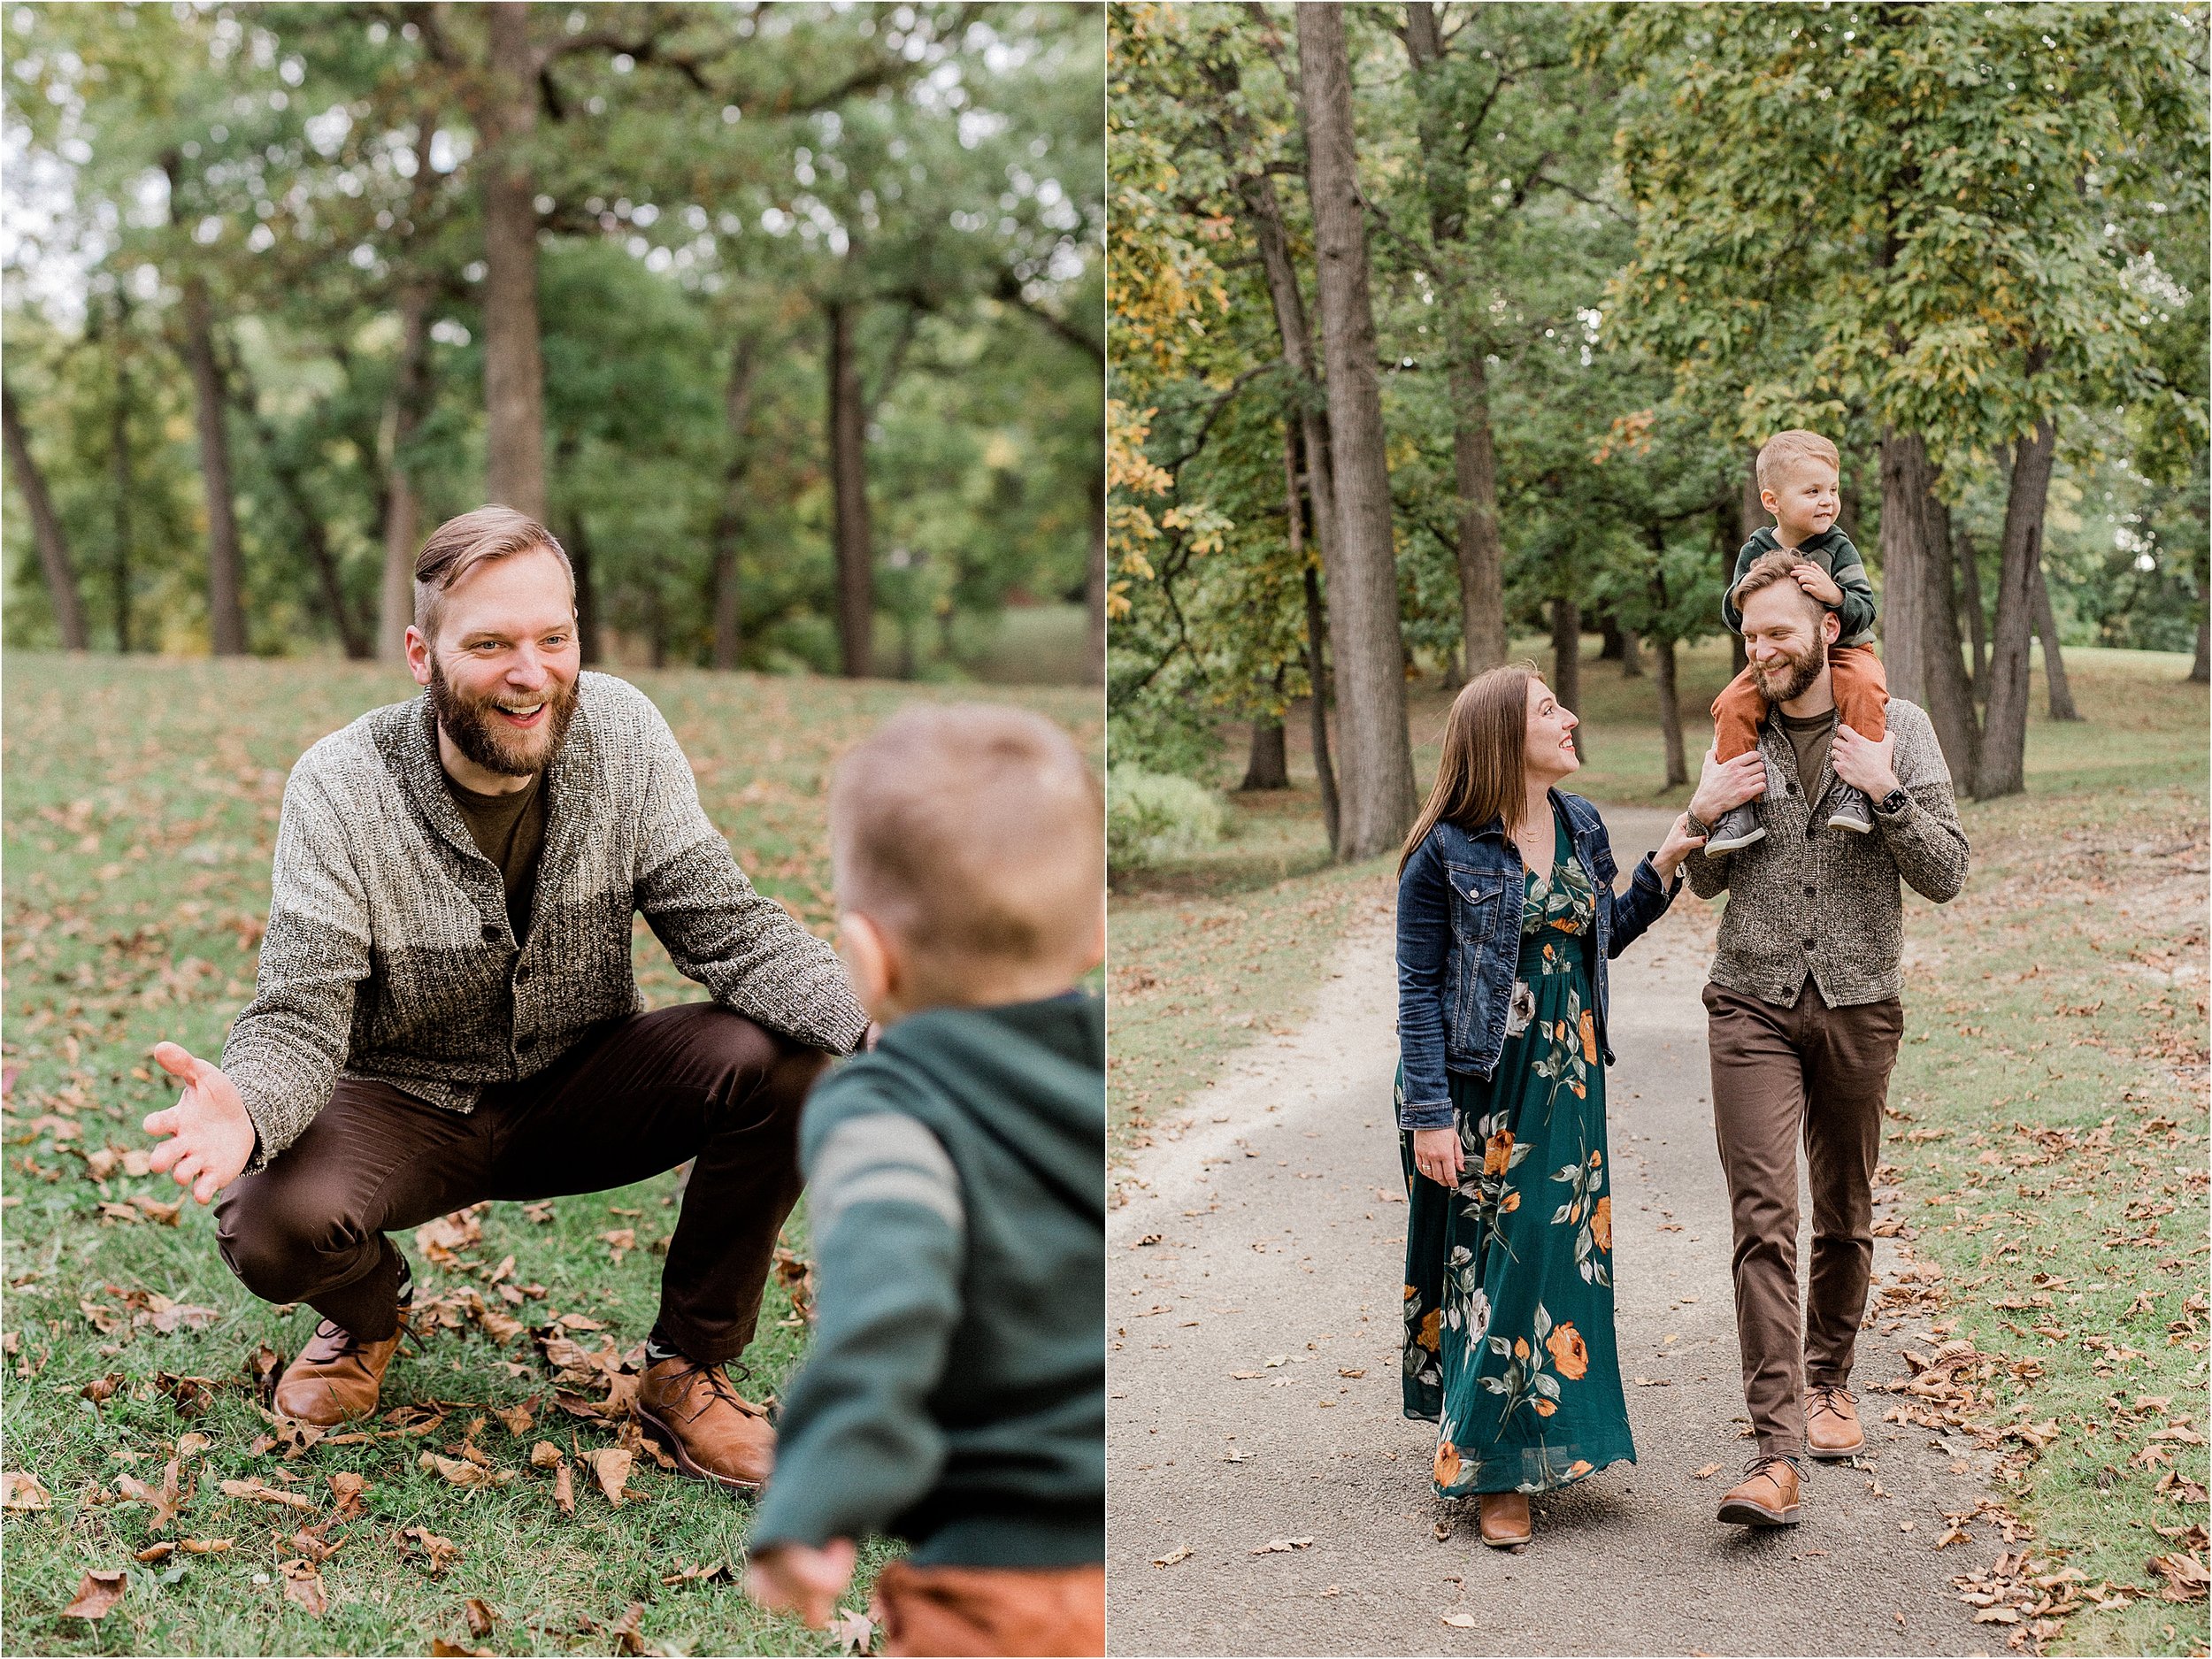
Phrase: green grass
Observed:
(141, 811)
(2049, 1132)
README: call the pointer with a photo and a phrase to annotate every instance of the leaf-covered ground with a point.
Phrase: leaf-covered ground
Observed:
(142, 804)
(2048, 1124)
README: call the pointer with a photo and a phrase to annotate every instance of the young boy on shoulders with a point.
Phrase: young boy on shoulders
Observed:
(956, 1394)
(1799, 483)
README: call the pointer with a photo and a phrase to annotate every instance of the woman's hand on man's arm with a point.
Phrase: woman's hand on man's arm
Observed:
(1679, 844)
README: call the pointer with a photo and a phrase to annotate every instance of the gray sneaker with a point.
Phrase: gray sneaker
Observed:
(1738, 827)
(1852, 810)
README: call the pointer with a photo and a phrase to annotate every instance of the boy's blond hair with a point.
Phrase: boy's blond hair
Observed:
(975, 834)
(1785, 449)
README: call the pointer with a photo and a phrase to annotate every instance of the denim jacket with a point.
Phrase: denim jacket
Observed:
(1459, 943)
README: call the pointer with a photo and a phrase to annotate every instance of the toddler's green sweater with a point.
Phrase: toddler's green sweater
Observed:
(1833, 552)
(956, 1394)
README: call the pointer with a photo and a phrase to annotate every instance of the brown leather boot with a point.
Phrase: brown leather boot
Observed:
(1502, 1518)
(713, 1431)
(1831, 1423)
(336, 1377)
(1766, 1496)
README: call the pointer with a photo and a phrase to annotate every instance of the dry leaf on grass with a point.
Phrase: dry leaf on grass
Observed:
(442, 1240)
(193, 1444)
(163, 1498)
(96, 1594)
(153, 1553)
(441, 1648)
(438, 1552)
(479, 1617)
(610, 1466)
(20, 1489)
(265, 1365)
(625, 1631)
(517, 1419)
(1181, 1552)
(460, 1472)
(564, 1488)
(545, 1454)
(347, 1487)
(686, 1573)
(304, 1585)
(266, 1494)
(854, 1631)
(204, 1545)
(100, 1390)
(2185, 1575)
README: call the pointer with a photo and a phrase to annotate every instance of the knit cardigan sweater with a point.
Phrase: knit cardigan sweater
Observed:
(389, 955)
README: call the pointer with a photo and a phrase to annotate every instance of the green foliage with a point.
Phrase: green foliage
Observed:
(1155, 816)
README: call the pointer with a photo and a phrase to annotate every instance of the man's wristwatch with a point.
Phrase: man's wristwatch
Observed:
(1893, 803)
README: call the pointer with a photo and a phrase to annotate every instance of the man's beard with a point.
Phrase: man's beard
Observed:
(475, 732)
(1803, 669)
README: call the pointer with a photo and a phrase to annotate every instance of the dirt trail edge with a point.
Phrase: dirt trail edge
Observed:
(1254, 1274)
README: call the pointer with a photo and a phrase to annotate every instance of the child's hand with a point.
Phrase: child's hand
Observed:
(1816, 583)
(1866, 765)
(798, 1578)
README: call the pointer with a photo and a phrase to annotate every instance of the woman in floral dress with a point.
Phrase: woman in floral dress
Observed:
(1506, 918)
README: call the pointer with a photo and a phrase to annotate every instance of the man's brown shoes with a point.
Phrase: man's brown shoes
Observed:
(336, 1379)
(1766, 1496)
(713, 1433)
(1502, 1518)
(1831, 1423)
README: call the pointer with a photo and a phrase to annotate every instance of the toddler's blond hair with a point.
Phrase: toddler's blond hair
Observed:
(1785, 449)
(976, 834)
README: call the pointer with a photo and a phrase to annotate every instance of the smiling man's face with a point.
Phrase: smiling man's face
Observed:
(502, 670)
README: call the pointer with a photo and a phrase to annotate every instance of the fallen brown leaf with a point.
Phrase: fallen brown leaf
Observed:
(347, 1487)
(304, 1585)
(854, 1631)
(163, 1498)
(2186, 1577)
(438, 1552)
(565, 1488)
(610, 1466)
(624, 1630)
(1181, 1552)
(479, 1617)
(545, 1454)
(102, 1389)
(1281, 1545)
(1707, 1473)
(204, 1545)
(517, 1419)
(20, 1490)
(96, 1594)
(266, 1494)
(441, 1648)
(156, 1552)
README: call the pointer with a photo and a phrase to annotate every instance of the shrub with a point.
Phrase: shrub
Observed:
(1151, 817)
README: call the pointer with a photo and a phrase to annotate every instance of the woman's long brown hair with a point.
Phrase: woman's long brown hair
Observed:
(1484, 771)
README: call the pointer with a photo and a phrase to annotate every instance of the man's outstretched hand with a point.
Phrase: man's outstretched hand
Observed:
(796, 1579)
(211, 1138)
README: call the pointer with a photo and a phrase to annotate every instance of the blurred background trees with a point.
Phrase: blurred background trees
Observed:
(1608, 250)
(788, 319)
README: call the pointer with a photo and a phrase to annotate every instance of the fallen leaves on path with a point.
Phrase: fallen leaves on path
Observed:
(1282, 1545)
(1181, 1552)
(97, 1593)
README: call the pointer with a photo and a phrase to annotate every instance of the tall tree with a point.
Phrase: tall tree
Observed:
(53, 546)
(1375, 785)
(514, 370)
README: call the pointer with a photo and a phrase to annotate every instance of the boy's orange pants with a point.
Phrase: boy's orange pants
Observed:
(965, 1610)
(1862, 701)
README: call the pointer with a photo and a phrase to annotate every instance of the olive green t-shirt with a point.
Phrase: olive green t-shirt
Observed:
(1809, 735)
(509, 830)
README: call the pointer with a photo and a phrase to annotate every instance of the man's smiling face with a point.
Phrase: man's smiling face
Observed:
(501, 670)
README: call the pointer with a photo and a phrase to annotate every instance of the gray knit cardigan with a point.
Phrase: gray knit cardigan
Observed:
(1808, 900)
(389, 955)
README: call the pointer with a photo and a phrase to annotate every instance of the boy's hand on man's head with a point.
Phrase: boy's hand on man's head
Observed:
(799, 1578)
(1818, 583)
(1866, 765)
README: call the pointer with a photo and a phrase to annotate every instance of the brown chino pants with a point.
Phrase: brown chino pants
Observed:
(635, 1097)
(1780, 1073)
(971, 1610)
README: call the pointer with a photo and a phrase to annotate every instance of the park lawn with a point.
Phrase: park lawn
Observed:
(142, 807)
(2049, 1126)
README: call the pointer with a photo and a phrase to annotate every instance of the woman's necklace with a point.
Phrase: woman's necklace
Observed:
(1530, 838)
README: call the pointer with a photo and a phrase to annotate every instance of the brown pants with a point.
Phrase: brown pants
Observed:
(1862, 692)
(636, 1096)
(1778, 1073)
(968, 1610)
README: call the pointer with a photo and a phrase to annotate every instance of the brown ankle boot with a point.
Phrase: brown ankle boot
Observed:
(1766, 1496)
(713, 1433)
(1831, 1423)
(1502, 1518)
(336, 1377)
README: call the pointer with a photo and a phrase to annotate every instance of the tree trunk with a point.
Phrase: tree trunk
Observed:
(848, 490)
(729, 519)
(46, 531)
(1970, 574)
(1474, 449)
(291, 482)
(1267, 766)
(2004, 742)
(587, 598)
(1632, 654)
(402, 506)
(1566, 652)
(1377, 804)
(2200, 671)
(126, 485)
(514, 370)
(1094, 582)
(1950, 702)
(2054, 686)
(226, 602)
(1907, 484)
(1316, 629)
(1670, 712)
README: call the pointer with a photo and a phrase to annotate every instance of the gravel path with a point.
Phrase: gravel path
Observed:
(1268, 1239)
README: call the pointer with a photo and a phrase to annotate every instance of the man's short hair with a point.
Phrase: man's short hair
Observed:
(1785, 449)
(975, 834)
(1767, 571)
(459, 545)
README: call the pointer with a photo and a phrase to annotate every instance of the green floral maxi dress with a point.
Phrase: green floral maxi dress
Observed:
(1509, 1300)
